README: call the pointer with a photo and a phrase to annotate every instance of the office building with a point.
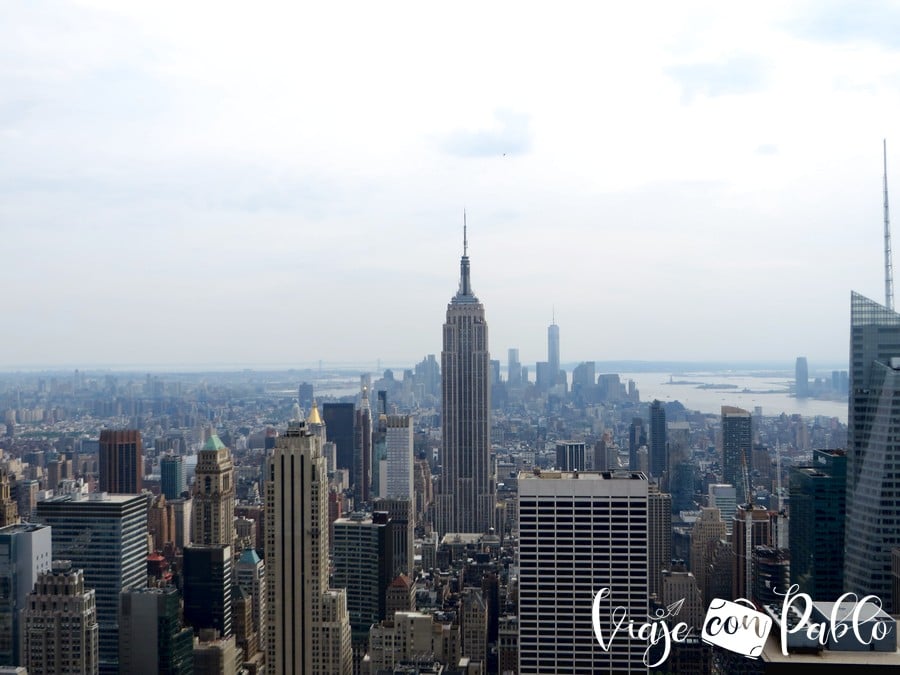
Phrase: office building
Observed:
(361, 478)
(339, 419)
(410, 636)
(637, 438)
(873, 449)
(214, 655)
(553, 353)
(305, 395)
(60, 623)
(402, 518)
(250, 575)
(570, 456)
(206, 580)
(213, 495)
(152, 637)
(105, 536)
(9, 510)
(121, 461)
(707, 531)
(681, 468)
(364, 565)
(465, 502)
(724, 497)
(400, 458)
(595, 522)
(308, 629)
(736, 443)
(172, 482)
(801, 378)
(513, 368)
(25, 552)
(818, 503)
(755, 520)
(658, 456)
(659, 536)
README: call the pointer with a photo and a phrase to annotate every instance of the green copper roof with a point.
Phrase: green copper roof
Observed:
(249, 556)
(214, 443)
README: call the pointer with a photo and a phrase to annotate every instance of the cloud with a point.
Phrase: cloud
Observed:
(737, 75)
(510, 136)
(767, 149)
(872, 21)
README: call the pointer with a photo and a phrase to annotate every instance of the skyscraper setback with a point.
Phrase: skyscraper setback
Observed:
(466, 499)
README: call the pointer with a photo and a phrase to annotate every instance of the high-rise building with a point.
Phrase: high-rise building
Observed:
(658, 448)
(659, 536)
(466, 499)
(724, 497)
(400, 458)
(121, 461)
(736, 443)
(681, 468)
(818, 503)
(106, 536)
(60, 619)
(756, 520)
(171, 470)
(513, 368)
(553, 352)
(873, 449)
(25, 552)
(637, 438)
(339, 420)
(362, 449)
(400, 512)
(305, 396)
(152, 637)
(595, 523)
(363, 564)
(206, 578)
(801, 376)
(308, 628)
(570, 456)
(250, 575)
(9, 510)
(707, 531)
(213, 495)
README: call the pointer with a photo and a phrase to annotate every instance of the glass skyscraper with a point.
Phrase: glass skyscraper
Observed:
(872, 526)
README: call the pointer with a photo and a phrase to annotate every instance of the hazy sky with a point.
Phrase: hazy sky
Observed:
(191, 183)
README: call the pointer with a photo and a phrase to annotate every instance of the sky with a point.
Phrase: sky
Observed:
(257, 183)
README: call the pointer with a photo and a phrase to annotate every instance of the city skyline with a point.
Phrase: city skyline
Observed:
(625, 167)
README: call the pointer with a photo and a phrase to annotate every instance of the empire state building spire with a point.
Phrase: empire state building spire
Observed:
(465, 293)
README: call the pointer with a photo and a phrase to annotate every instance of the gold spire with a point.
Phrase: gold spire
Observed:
(314, 414)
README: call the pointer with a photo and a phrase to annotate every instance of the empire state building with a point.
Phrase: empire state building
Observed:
(466, 499)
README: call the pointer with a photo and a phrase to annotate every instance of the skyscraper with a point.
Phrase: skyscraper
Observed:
(152, 638)
(873, 442)
(362, 449)
(121, 461)
(213, 495)
(106, 536)
(305, 618)
(25, 552)
(61, 631)
(801, 377)
(736, 442)
(579, 533)
(466, 499)
(657, 449)
(399, 445)
(171, 470)
(207, 578)
(818, 503)
(553, 352)
(339, 420)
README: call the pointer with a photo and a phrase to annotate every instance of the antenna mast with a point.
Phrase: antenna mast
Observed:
(888, 264)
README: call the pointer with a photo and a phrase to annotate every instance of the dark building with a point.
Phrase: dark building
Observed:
(658, 459)
(152, 638)
(121, 461)
(570, 456)
(361, 477)
(305, 396)
(818, 502)
(171, 469)
(339, 422)
(737, 435)
(206, 587)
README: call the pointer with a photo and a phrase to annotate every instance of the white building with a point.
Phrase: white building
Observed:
(399, 445)
(581, 532)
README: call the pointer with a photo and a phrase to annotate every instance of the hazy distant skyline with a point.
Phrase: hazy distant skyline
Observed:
(282, 183)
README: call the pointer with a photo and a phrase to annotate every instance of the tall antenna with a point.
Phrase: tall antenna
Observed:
(466, 240)
(888, 264)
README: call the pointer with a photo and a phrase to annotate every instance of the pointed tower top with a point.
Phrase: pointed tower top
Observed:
(314, 417)
(465, 293)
